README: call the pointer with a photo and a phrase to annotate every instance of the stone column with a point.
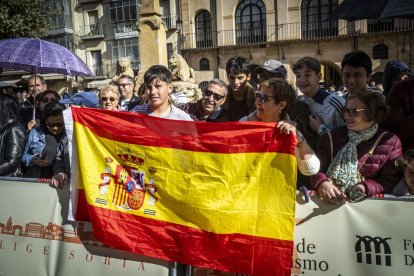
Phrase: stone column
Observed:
(152, 35)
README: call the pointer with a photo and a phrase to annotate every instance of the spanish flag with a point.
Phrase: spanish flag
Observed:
(214, 195)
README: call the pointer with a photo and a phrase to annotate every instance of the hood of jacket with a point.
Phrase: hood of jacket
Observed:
(392, 68)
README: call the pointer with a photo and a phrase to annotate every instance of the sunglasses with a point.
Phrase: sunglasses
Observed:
(352, 112)
(104, 99)
(262, 97)
(47, 100)
(54, 125)
(124, 84)
(208, 93)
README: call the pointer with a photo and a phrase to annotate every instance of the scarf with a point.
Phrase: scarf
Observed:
(343, 170)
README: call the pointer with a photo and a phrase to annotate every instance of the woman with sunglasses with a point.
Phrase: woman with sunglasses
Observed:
(273, 102)
(109, 97)
(357, 160)
(41, 146)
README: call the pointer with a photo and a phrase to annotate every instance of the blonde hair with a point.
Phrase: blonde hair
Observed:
(107, 88)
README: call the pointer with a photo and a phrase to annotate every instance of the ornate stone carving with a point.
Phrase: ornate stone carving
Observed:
(123, 68)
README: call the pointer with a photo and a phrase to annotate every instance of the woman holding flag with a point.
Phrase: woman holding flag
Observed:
(273, 102)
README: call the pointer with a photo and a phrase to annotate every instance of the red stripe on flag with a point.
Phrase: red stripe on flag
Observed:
(138, 129)
(158, 239)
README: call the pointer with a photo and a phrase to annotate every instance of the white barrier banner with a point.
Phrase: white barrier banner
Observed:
(35, 240)
(372, 237)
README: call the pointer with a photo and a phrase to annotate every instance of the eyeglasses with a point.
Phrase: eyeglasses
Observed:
(352, 112)
(112, 99)
(262, 97)
(47, 100)
(208, 93)
(58, 125)
(123, 84)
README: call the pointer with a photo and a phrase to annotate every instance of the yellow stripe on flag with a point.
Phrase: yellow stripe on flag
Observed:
(246, 194)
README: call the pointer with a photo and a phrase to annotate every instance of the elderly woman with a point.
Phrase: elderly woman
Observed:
(273, 102)
(109, 97)
(357, 160)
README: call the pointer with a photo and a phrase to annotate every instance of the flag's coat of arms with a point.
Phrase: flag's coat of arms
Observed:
(212, 195)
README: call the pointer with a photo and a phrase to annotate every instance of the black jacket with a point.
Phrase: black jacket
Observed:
(12, 142)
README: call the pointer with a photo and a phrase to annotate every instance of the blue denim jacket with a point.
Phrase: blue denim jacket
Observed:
(34, 145)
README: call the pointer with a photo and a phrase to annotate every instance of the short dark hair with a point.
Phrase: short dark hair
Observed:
(158, 72)
(405, 159)
(376, 107)
(309, 62)
(9, 109)
(51, 109)
(358, 59)
(56, 94)
(281, 91)
(238, 65)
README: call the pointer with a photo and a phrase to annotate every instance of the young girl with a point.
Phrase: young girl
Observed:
(406, 185)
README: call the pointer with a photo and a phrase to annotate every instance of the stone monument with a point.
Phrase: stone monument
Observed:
(123, 68)
(185, 89)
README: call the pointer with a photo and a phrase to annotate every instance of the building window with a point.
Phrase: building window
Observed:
(203, 29)
(65, 41)
(314, 19)
(380, 51)
(125, 10)
(97, 63)
(204, 64)
(251, 22)
(378, 26)
(126, 48)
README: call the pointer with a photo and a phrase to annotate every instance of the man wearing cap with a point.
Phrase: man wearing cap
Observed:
(271, 69)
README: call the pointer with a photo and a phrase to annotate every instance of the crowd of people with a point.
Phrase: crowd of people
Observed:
(350, 145)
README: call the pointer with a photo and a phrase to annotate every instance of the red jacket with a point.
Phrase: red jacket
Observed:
(379, 170)
(400, 120)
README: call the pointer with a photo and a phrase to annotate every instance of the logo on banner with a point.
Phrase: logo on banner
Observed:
(369, 250)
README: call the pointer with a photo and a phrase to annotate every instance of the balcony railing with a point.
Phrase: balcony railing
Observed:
(125, 29)
(61, 22)
(92, 31)
(170, 20)
(293, 32)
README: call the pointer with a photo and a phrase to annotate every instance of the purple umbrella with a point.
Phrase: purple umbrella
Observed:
(39, 56)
